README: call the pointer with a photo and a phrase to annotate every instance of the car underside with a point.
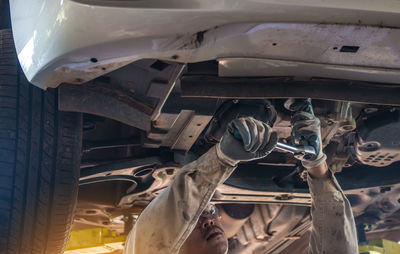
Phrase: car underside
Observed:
(150, 95)
(265, 203)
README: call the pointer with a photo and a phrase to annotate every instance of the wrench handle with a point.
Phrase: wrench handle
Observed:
(299, 152)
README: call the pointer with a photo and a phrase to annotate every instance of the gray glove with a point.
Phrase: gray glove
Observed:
(306, 130)
(256, 141)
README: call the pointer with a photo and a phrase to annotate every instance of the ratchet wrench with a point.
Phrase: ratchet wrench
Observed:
(299, 152)
(306, 152)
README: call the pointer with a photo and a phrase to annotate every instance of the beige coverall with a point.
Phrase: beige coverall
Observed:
(170, 218)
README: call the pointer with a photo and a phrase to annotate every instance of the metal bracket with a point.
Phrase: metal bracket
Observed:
(104, 100)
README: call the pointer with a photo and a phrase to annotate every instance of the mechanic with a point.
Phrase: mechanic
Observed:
(181, 220)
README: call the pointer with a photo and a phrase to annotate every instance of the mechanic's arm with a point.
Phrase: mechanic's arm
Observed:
(169, 219)
(333, 227)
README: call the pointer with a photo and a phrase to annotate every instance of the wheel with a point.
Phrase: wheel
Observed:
(40, 149)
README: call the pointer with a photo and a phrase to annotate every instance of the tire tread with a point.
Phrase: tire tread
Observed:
(38, 186)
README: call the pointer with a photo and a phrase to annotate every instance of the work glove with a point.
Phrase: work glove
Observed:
(246, 139)
(306, 131)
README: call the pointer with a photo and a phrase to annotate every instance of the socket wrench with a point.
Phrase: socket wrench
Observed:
(299, 152)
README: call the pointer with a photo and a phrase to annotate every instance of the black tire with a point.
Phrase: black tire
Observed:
(40, 149)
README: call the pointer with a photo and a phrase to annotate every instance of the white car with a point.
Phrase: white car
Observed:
(102, 101)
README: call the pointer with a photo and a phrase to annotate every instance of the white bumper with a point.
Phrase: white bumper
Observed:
(75, 41)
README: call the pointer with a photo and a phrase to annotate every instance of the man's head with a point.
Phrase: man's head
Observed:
(208, 237)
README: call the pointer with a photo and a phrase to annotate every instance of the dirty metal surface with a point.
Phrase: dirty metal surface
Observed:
(107, 101)
(287, 87)
(162, 178)
(180, 122)
(271, 228)
(254, 67)
(127, 168)
(161, 90)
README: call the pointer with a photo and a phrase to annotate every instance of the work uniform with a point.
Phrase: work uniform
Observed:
(169, 219)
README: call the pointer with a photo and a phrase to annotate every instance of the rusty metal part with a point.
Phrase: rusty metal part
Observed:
(104, 100)
(286, 87)
(133, 95)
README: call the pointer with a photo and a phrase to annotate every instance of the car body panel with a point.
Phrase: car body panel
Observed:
(77, 41)
(255, 67)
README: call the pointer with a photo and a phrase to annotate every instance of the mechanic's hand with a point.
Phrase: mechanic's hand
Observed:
(306, 130)
(256, 141)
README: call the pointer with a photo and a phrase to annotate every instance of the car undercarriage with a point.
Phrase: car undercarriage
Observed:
(102, 103)
(265, 203)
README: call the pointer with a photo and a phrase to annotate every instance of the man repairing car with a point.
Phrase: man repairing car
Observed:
(181, 220)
